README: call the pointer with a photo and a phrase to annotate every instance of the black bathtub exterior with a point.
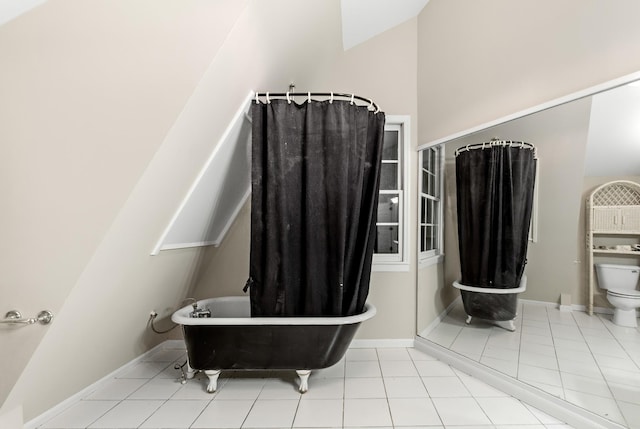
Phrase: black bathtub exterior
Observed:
(490, 306)
(295, 347)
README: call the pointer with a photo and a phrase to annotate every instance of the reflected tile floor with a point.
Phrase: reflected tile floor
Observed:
(368, 388)
(586, 360)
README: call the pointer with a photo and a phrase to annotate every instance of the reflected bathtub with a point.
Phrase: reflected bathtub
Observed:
(231, 339)
(497, 305)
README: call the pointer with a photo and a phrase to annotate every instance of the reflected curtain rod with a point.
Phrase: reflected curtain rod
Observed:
(331, 96)
(496, 142)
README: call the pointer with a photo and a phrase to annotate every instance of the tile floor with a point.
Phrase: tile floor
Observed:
(381, 388)
(586, 360)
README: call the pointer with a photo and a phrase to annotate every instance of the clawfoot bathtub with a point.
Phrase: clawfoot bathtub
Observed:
(231, 339)
(493, 304)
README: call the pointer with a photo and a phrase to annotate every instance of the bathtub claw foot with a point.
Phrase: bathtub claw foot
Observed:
(190, 373)
(304, 380)
(213, 379)
(468, 321)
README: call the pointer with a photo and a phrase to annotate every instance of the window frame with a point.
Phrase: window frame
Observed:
(435, 255)
(398, 261)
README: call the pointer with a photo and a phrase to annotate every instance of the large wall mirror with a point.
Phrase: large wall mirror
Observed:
(582, 141)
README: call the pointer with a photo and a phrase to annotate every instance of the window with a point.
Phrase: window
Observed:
(391, 236)
(430, 215)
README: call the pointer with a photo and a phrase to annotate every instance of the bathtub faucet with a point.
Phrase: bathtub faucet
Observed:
(197, 312)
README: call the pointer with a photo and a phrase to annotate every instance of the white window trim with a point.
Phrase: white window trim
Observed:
(435, 256)
(383, 262)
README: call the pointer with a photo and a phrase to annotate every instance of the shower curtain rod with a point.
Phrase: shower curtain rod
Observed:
(331, 96)
(496, 142)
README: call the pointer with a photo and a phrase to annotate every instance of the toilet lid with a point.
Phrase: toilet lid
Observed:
(630, 293)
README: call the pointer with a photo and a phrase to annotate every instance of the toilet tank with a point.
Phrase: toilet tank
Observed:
(613, 276)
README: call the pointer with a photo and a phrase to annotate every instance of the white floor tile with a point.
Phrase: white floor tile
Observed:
(413, 412)
(631, 413)
(460, 411)
(166, 355)
(364, 388)
(223, 414)
(539, 360)
(445, 387)
(603, 406)
(625, 392)
(480, 389)
(393, 354)
(319, 413)
(282, 388)
(506, 367)
(175, 414)
(80, 415)
(271, 414)
(361, 354)
(363, 369)
(580, 383)
(405, 387)
(366, 412)
(157, 388)
(398, 368)
(117, 389)
(241, 388)
(143, 370)
(127, 414)
(419, 355)
(433, 369)
(539, 375)
(325, 388)
(507, 411)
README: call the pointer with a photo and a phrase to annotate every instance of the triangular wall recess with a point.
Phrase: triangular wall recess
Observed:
(218, 193)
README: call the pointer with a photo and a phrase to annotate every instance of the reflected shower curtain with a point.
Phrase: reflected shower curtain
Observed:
(315, 180)
(495, 198)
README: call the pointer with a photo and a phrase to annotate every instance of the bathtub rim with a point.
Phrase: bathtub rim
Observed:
(521, 288)
(181, 316)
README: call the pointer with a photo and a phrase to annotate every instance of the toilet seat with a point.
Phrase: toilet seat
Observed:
(625, 293)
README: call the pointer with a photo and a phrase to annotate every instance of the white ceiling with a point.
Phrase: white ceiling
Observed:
(364, 19)
(613, 144)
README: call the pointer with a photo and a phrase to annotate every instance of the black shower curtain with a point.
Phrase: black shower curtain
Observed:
(495, 198)
(315, 179)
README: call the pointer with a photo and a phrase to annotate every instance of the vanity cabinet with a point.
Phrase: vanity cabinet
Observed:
(613, 215)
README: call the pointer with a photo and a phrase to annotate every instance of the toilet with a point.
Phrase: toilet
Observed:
(620, 282)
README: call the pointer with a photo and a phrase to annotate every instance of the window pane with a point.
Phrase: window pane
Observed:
(386, 239)
(423, 245)
(390, 147)
(430, 211)
(425, 159)
(388, 208)
(428, 238)
(389, 176)
(432, 185)
(423, 211)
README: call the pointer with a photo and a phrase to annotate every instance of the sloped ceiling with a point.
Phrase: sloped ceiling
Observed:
(364, 19)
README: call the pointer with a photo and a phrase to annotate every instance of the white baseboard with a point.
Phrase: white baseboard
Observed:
(573, 415)
(426, 331)
(57, 409)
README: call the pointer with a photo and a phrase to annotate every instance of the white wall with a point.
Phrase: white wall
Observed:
(89, 92)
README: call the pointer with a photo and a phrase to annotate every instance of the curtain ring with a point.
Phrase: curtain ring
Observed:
(288, 99)
(257, 101)
(309, 97)
(331, 99)
(352, 97)
(370, 104)
(483, 145)
(268, 101)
